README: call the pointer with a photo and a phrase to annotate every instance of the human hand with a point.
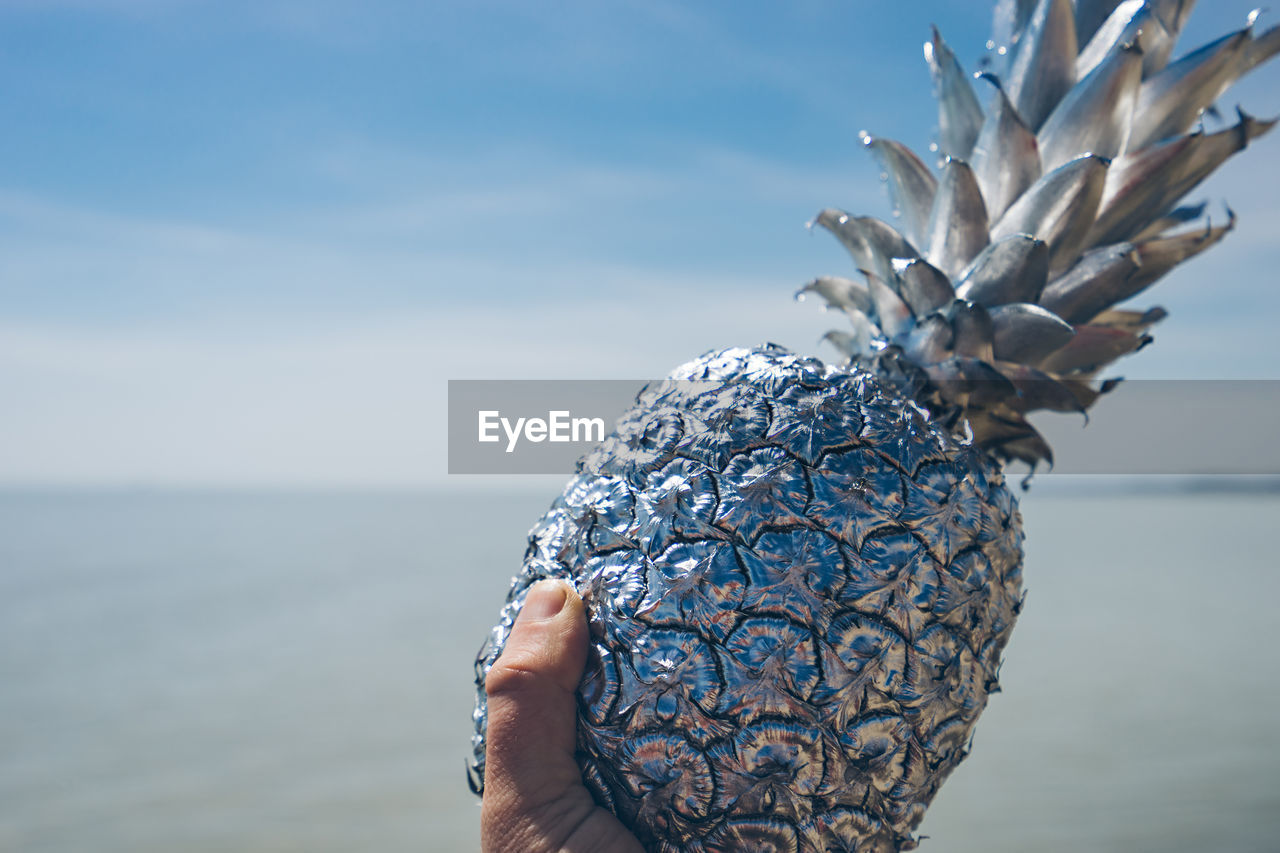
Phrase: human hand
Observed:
(534, 799)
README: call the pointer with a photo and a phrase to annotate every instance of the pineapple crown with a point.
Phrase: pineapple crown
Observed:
(995, 296)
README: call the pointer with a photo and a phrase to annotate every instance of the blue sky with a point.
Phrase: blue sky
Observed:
(247, 243)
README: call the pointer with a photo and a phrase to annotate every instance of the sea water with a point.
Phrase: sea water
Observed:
(292, 672)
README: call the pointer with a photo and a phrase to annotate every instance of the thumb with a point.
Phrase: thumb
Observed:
(530, 737)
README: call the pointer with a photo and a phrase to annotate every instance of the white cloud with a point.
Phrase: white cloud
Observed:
(363, 403)
(558, 230)
(311, 346)
(216, 366)
(356, 405)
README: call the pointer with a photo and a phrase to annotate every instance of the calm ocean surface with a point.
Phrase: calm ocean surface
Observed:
(255, 672)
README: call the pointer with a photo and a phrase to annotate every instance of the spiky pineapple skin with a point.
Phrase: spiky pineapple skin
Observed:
(799, 588)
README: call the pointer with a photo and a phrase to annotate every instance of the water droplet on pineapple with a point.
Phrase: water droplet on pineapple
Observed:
(933, 147)
(991, 45)
(1003, 50)
(884, 177)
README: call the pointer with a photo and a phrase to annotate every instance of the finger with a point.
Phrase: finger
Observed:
(532, 707)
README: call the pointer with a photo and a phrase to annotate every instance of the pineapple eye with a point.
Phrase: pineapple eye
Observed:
(662, 431)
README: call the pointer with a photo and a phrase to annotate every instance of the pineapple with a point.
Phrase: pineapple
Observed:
(800, 576)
